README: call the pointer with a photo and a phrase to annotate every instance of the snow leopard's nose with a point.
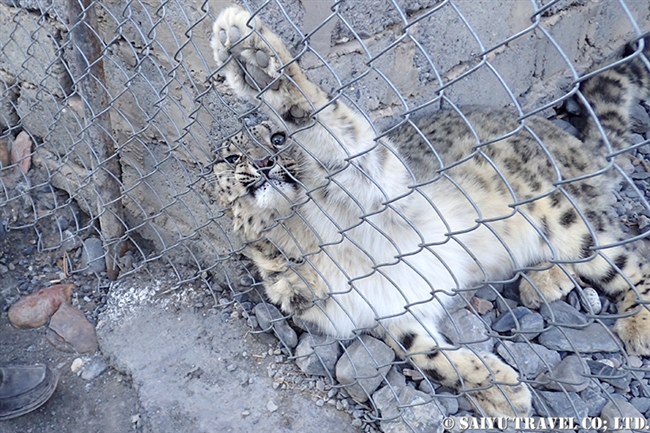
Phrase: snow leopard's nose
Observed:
(264, 164)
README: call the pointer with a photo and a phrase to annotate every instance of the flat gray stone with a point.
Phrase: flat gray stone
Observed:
(509, 320)
(563, 124)
(363, 367)
(407, 410)
(396, 379)
(316, 354)
(528, 358)
(269, 317)
(614, 376)
(549, 403)
(449, 401)
(570, 374)
(92, 256)
(470, 331)
(619, 408)
(489, 293)
(592, 338)
(530, 326)
(93, 369)
(559, 312)
(594, 399)
(642, 404)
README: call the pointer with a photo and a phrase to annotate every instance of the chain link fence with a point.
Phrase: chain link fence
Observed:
(111, 114)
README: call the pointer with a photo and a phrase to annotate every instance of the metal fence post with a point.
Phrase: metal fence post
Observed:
(98, 129)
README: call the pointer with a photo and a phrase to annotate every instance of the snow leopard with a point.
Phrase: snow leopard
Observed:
(358, 233)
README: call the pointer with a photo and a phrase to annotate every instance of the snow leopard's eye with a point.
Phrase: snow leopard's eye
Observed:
(278, 139)
(232, 159)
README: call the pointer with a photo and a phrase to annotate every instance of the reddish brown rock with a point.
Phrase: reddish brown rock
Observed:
(58, 342)
(35, 310)
(71, 325)
(21, 152)
(481, 305)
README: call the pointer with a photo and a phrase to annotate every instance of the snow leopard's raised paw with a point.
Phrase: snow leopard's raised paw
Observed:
(257, 65)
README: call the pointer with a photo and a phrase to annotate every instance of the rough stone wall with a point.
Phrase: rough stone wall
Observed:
(169, 109)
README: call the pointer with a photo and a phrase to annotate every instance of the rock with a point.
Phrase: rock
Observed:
(449, 401)
(415, 375)
(469, 330)
(367, 359)
(634, 361)
(505, 305)
(573, 299)
(58, 342)
(35, 310)
(21, 152)
(528, 358)
(570, 375)
(489, 293)
(548, 403)
(594, 399)
(508, 320)
(619, 408)
(592, 338)
(562, 313)
(271, 406)
(481, 305)
(614, 376)
(530, 326)
(93, 369)
(386, 401)
(71, 325)
(77, 365)
(396, 379)
(70, 241)
(563, 124)
(92, 256)
(316, 354)
(572, 106)
(269, 317)
(426, 387)
(590, 301)
(417, 413)
(642, 404)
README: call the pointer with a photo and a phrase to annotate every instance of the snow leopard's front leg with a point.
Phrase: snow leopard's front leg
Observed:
(291, 284)
(259, 68)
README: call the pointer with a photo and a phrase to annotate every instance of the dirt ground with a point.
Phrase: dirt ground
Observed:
(171, 366)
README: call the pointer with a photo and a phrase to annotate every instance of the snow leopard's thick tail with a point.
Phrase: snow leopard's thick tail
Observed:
(611, 94)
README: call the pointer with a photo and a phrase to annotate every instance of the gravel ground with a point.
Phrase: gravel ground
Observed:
(104, 403)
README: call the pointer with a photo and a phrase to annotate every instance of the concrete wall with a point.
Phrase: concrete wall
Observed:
(168, 110)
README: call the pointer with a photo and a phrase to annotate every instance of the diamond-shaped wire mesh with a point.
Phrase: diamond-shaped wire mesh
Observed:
(113, 115)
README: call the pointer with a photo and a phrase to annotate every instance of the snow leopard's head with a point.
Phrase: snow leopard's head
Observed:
(262, 164)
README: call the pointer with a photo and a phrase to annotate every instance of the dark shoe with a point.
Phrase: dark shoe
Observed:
(24, 388)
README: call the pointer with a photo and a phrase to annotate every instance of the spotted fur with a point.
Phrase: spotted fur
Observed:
(358, 234)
